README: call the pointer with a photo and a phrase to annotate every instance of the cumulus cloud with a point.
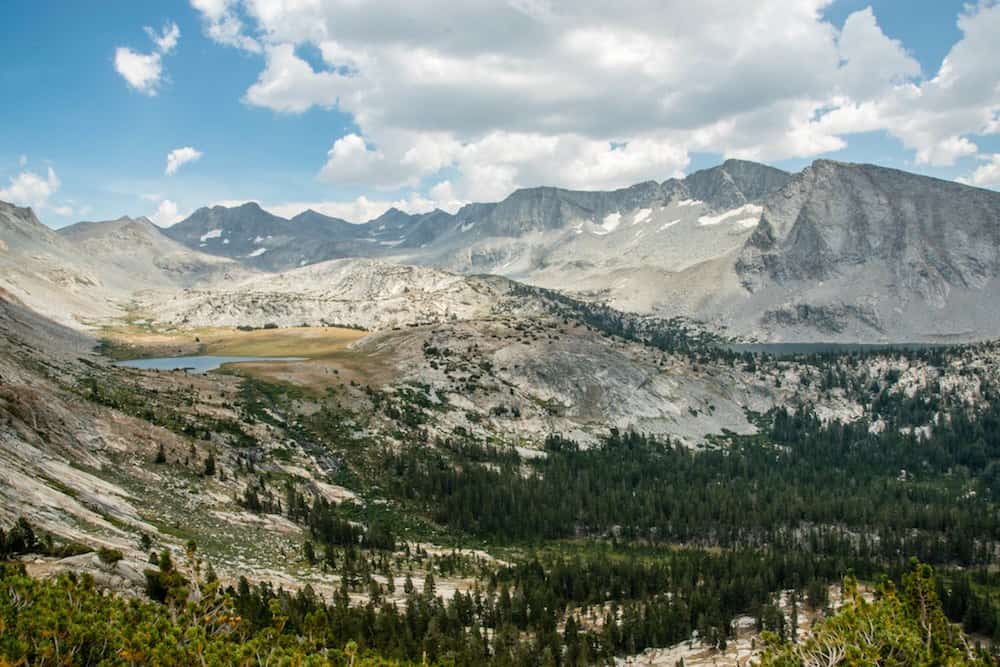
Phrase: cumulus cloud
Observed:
(938, 117)
(223, 24)
(144, 71)
(166, 214)
(179, 157)
(588, 94)
(872, 62)
(986, 175)
(289, 84)
(167, 40)
(31, 189)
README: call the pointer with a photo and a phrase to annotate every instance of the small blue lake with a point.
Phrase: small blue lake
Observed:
(198, 364)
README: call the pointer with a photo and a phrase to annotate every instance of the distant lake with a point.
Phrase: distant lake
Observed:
(199, 364)
(795, 349)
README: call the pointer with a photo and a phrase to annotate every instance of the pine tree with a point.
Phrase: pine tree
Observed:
(210, 465)
(309, 552)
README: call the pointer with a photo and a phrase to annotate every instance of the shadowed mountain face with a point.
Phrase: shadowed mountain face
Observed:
(931, 235)
(260, 239)
(853, 247)
(240, 232)
(734, 183)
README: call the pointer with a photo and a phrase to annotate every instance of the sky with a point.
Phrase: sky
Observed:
(348, 107)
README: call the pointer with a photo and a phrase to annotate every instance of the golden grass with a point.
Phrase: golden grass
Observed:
(309, 342)
(329, 361)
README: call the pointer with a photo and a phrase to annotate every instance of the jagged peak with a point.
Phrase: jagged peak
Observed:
(307, 214)
(20, 211)
(731, 163)
(392, 213)
(246, 206)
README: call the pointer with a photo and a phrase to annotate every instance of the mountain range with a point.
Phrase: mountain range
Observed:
(836, 252)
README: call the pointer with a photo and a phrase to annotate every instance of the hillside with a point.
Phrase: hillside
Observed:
(41, 269)
(356, 292)
(136, 247)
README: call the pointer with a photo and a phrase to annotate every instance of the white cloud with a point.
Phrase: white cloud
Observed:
(986, 175)
(30, 189)
(166, 214)
(167, 40)
(444, 197)
(223, 24)
(871, 61)
(587, 94)
(144, 71)
(289, 84)
(179, 157)
(212, 10)
(349, 160)
(939, 117)
(23, 160)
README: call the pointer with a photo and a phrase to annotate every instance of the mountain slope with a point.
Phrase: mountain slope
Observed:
(354, 292)
(734, 183)
(137, 247)
(44, 271)
(865, 252)
(836, 252)
(624, 247)
(531, 222)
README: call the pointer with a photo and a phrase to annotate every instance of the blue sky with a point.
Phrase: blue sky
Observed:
(351, 107)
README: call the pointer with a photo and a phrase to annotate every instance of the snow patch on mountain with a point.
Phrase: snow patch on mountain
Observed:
(610, 223)
(745, 210)
(641, 215)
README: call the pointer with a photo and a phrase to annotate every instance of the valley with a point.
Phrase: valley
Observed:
(510, 333)
(561, 459)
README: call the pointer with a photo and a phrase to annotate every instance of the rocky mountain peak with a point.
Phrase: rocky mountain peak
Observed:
(873, 242)
(19, 225)
(250, 206)
(735, 183)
